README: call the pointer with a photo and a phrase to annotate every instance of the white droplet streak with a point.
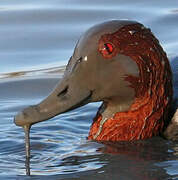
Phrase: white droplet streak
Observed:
(163, 62)
(151, 49)
(85, 58)
(132, 32)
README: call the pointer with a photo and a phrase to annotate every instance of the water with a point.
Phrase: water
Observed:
(36, 40)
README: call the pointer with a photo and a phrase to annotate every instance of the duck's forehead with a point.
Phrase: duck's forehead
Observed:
(91, 37)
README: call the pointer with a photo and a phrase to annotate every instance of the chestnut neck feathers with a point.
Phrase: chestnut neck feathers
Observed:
(147, 114)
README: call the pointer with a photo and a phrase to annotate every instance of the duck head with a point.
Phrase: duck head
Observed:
(121, 63)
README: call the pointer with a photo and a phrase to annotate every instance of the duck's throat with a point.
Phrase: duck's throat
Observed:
(143, 120)
(106, 112)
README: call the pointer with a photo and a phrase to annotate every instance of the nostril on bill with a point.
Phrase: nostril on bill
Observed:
(63, 92)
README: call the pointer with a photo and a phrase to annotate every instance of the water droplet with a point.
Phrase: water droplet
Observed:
(151, 49)
(149, 91)
(136, 43)
(141, 58)
(163, 63)
(132, 32)
(85, 58)
(148, 70)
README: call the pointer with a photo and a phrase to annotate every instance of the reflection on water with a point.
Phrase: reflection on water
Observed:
(36, 40)
(59, 148)
(58, 71)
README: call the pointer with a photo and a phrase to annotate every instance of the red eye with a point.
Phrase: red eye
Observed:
(107, 49)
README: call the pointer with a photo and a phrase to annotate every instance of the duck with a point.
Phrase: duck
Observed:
(122, 64)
